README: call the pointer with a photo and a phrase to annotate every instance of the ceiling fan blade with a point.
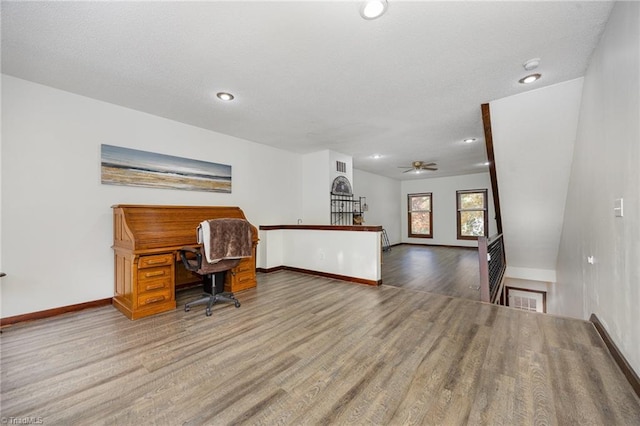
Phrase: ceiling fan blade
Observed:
(416, 166)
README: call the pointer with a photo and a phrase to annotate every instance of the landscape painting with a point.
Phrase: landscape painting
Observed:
(131, 167)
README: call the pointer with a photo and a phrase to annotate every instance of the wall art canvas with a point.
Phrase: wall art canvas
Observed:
(131, 167)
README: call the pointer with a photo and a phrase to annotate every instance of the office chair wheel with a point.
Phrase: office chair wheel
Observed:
(208, 312)
(237, 303)
(187, 308)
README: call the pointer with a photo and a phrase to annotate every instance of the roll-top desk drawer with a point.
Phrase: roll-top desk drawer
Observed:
(243, 281)
(154, 297)
(151, 279)
(157, 260)
(242, 276)
(245, 265)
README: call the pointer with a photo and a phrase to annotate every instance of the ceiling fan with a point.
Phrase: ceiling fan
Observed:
(416, 166)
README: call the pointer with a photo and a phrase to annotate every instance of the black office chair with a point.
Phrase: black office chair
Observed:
(224, 243)
(213, 275)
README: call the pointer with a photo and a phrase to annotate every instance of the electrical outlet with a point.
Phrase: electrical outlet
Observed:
(590, 260)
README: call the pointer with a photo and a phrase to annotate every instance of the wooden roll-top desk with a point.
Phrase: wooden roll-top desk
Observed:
(146, 240)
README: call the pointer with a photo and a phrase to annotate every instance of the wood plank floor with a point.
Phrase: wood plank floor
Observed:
(306, 350)
(452, 271)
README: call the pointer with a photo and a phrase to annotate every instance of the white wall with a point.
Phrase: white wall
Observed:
(56, 216)
(353, 254)
(606, 166)
(443, 191)
(316, 187)
(533, 137)
(382, 195)
(318, 173)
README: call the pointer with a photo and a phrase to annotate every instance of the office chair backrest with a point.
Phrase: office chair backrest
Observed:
(224, 239)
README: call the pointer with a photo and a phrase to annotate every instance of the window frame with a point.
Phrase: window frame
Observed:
(409, 211)
(459, 211)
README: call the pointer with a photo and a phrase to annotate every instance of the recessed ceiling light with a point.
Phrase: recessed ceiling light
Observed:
(470, 140)
(372, 9)
(376, 156)
(530, 78)
(225, 96)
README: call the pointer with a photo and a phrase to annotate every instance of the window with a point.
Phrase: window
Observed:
(420, 218)
(472, 214)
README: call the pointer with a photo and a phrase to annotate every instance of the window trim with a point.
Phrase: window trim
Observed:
(409, 211)
(485, 211)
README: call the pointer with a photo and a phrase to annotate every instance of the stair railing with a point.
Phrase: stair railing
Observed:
(492, 266)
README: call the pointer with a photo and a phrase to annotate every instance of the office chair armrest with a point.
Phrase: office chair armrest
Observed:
(191, 264)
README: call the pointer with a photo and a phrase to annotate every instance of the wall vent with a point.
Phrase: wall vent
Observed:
(341, 167)
(527, 300)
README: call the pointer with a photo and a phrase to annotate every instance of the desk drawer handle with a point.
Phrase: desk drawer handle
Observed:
(154, 274)
(153, 287)
(155, 261)
(154, 299)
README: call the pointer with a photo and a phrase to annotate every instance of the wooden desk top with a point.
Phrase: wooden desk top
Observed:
(151, 227)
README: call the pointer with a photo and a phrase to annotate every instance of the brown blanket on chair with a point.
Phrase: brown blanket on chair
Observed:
(226, 239)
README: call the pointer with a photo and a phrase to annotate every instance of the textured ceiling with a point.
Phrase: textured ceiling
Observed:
(309, 75)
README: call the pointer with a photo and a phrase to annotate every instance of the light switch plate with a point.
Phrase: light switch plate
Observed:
(618, 207)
